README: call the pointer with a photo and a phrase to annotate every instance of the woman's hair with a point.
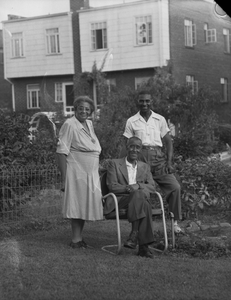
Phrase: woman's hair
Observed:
(81, 99)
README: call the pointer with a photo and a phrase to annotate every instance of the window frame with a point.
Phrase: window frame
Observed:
(190, 81)
(111, 82)
(95, 28)
(140, 80)
(20, 45)
(147, 21)
(30, 92)
(190, 37)
(210, 34)
(58, 92)
(49, 46)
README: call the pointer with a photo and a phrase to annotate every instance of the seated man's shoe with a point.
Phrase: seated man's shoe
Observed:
(132, 240)
(80, 245)
(177, 229)
(144, 251)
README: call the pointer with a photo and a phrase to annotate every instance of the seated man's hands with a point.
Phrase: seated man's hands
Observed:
(132, 187)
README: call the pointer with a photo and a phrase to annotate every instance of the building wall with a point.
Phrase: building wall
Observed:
(36, 61)
(47, 90)
(122, 53)
(5, 90)
(206, 61)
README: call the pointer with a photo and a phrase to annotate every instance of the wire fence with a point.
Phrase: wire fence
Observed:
(29, 193)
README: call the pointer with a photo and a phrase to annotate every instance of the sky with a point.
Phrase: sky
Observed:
(31, 8)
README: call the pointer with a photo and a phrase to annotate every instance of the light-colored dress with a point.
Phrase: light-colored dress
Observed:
(82, 196)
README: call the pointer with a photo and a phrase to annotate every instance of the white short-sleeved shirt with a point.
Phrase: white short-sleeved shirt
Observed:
(150, 132)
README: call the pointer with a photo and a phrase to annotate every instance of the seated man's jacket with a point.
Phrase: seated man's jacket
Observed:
(117, 180)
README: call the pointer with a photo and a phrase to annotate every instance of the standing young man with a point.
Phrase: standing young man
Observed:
(153, 130)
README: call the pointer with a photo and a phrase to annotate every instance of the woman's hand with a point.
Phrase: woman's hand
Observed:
(63, 186)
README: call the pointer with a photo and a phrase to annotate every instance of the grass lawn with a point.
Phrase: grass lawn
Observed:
(41, 265)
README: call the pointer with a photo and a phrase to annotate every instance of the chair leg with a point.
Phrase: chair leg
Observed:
(164, 222)
(172, 230)
(119, 245)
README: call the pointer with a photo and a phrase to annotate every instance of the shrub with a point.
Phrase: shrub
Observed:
(16, 147)
(14, 141)
(205, 183)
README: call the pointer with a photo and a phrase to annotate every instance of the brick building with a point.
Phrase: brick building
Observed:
(200, 49)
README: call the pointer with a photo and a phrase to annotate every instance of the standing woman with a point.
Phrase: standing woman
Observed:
(78, 160)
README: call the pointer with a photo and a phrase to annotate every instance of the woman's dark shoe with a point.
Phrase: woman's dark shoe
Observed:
(144, 251)
(80, 245)
(132, 240)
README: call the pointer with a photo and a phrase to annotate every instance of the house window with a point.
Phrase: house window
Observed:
(227, 40)
(17, 44)
(224, 90)
(189, 33)
(58, 92)
(111, 84)
(99, 35)
(52, 38)
(143, 30)
(190, 81)
(33, 96)
(139, 81)
(210, 34)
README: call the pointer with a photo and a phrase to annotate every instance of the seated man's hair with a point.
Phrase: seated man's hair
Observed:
(133, 138)
(144, 92)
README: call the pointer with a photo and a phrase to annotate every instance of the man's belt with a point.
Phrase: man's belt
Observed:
(150, 147)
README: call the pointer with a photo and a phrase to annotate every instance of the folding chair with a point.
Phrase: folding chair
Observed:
(122, 214)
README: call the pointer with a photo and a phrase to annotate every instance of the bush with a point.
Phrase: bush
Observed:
(16, 147)
(14, 141)
(205, 183)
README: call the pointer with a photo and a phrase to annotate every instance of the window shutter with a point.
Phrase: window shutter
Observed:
(206, 36)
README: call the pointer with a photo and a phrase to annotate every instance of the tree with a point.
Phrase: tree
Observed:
(192, 114)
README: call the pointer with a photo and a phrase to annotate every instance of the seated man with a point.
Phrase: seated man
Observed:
(131, 181)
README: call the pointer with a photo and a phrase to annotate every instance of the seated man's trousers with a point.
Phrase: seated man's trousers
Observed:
(167, 182)
(139, 209)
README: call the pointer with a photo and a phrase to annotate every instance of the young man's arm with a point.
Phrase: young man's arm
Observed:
(168, 143)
